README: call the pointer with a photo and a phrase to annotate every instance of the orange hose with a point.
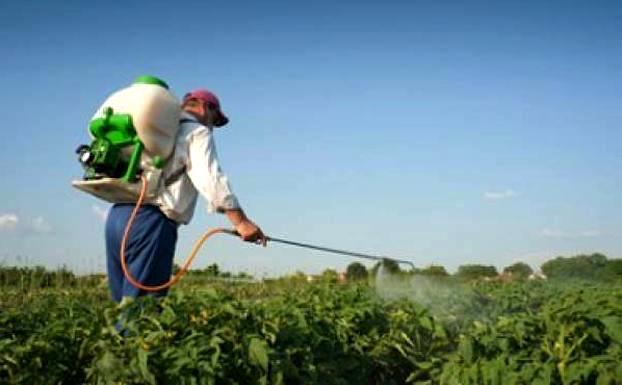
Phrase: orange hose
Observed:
(185, 266)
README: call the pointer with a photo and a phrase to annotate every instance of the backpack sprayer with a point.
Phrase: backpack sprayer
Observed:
(134, 133)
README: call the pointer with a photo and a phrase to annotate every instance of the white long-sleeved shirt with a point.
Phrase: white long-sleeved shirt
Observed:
(193, 168)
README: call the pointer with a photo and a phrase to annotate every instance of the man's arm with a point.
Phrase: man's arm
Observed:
(206, 175)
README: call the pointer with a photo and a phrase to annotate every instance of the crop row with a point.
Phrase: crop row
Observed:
(529, 333)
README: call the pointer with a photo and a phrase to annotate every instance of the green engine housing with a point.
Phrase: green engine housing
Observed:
(105, 157)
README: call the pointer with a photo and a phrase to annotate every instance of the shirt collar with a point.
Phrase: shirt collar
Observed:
(186, 115)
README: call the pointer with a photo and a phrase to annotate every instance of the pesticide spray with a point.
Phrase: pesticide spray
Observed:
(445, 298)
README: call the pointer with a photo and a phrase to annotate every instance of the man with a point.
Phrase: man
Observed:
(192, 169)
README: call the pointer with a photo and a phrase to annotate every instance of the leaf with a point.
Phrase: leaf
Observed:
(168, 316)
(143, 367)
(466, 350)
(614, 328)
(258, 353)
(278, 378)
(426, 323)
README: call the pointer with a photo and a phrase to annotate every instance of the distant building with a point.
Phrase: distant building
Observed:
(341, 278)
(504, 277)
(537, 275)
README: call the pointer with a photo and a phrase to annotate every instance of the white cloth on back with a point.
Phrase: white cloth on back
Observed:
(192, 169)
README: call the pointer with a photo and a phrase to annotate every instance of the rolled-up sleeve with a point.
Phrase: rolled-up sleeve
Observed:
(205, 173)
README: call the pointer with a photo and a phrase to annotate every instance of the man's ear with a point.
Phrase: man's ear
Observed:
(195, 106)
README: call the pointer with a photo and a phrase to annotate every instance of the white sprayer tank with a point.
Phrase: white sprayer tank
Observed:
(155, 113)
(155, 116)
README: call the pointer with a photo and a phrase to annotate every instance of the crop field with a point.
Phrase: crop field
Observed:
(393, 331)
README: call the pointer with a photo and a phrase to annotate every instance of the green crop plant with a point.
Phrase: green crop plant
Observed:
(293, 332)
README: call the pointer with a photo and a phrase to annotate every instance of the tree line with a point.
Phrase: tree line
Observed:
(594, 266)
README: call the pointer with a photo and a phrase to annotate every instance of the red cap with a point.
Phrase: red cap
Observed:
(211, 99)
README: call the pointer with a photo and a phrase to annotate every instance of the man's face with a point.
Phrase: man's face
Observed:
(206, 113)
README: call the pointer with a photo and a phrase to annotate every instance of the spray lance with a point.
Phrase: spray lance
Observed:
(331, 250)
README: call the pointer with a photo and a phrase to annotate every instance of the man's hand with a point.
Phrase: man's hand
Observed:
(249, 231)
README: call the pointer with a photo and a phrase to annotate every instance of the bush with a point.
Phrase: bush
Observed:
(470, 272)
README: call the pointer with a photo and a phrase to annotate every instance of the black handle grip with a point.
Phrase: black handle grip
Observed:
(232, 232)
(235, 233)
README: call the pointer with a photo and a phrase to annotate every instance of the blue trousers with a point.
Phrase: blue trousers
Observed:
(149, 250)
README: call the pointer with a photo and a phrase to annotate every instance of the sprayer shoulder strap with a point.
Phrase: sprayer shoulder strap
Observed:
(174, 177)
(185, 120)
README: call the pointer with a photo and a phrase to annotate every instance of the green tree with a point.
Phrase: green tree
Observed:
(614, 268)
(434, 271)
(390, 266)
(356, 271)
(329, 275)
(474, 271)
(519, 270)
(176, 268)
(298, 277)
(212, 270)
(243, 275)
(594, 266)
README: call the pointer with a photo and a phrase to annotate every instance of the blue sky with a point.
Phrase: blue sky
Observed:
(442, 132)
